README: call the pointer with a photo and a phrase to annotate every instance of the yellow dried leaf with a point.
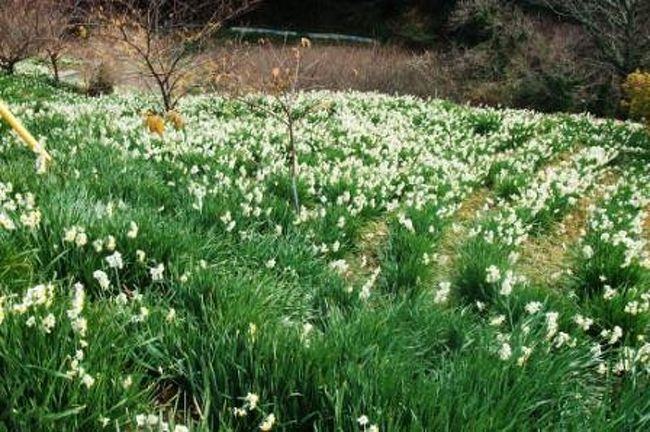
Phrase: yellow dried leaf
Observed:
(155, 124)
(176, 120)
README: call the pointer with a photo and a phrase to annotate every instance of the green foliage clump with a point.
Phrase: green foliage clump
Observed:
(636, 90)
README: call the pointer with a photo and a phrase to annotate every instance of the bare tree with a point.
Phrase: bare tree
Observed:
(619, 28)
(22, 31)
(165, 36)
(59, 21)
(282, 86)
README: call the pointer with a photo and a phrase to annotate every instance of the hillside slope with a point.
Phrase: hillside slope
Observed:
(151, 282)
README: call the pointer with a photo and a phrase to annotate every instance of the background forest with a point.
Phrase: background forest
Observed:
(543, 54)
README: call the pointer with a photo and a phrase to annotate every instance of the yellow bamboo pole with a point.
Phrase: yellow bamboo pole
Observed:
(23, 133)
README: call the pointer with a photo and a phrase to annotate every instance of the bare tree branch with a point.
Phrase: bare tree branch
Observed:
(619, 28)
(165, 36)
(23, 34)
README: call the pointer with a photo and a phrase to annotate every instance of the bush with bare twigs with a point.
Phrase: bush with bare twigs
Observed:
(620, 29)
(22, 30)
(165, 37)
(282, 82)
(34, 27)
(59, 20)
(101, 80)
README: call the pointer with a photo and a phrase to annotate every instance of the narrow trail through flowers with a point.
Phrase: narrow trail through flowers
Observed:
(545, 258)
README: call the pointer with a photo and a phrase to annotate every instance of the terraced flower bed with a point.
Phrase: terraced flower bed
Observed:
(165, 281)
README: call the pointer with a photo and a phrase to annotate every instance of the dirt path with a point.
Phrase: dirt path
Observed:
(544, 259)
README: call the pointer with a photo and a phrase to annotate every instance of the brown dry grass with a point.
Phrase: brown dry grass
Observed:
(244, 67)
(473, 205)
(90, 54)
(545, 258)
(469, 211)
(373, 236)
(363, 261)
(387, 69)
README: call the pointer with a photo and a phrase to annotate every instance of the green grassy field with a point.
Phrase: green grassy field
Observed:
(451, 268)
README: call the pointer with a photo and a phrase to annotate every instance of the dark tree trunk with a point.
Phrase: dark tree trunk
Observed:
(54, 60)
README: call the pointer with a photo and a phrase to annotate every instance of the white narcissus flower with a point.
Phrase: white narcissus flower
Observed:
(115, 261)
(6, 222)
(157, 272)
(533, 307)
(498, 320)
(110, 243)
(583, 322)
(525, 355)
(133, 230)
(102, 279)
(493, 274)
(239, 412)
(442, 294)
(70, 234)
(81, 239)
(87, 380)
(363, 420)
(268, 423)
(609, 293)
(127, 382)
(507, 284)
(251, 401)
(31, 321)
(48, 323)
(98, 245)
(505, 352)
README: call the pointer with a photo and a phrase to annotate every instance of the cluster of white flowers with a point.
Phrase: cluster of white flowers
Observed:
(37, 304)
(115, 261)
(251, 404)
(17, 209)
(153, 422)
(102, 279)
(364, 159)
(505, 351)
(268, 423)
(442, 293)
(77, 235)
(364, 294)
(365, 424)
(584, 323)
(507, 281)
(79, 324)
(525, 355)
(157, 272)
(617, 223)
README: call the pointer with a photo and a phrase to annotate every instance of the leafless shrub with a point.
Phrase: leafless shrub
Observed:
(387, 69)
(22, 30)
(164, 37)
(620, 29)
(282, 82)
(58, 25)
(101, 79)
